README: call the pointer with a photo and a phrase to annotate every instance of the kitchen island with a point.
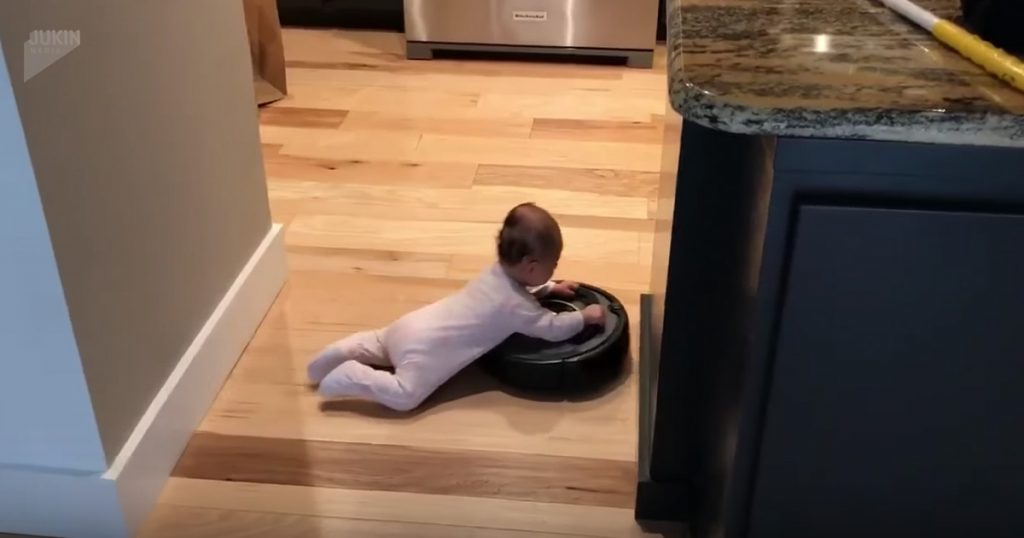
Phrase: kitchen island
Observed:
(834, 344)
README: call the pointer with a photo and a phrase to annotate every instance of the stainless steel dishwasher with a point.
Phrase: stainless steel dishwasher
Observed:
(620, 28)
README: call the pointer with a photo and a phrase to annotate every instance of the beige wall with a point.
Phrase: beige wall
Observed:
(144, 143)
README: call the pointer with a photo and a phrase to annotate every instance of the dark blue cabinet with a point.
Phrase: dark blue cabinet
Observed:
(835, 343)
(896, 378)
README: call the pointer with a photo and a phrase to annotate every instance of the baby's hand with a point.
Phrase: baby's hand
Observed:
(566, 288)
(593, 315)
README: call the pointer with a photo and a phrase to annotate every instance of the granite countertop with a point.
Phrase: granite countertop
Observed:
(832, 69)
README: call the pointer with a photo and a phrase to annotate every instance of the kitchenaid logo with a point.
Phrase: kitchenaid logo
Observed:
(530, 16)
(44, 47)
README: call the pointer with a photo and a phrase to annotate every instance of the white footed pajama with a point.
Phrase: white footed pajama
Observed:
(428, 346)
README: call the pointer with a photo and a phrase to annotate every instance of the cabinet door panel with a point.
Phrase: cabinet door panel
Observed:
(896, 395)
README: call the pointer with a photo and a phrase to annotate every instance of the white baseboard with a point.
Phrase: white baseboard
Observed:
(115, 503)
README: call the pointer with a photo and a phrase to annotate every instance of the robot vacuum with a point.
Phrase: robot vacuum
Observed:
(592, 358)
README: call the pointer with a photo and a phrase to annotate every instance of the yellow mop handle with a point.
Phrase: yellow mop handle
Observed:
(981, 52)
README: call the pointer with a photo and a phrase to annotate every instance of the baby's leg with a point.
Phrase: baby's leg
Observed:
(366, 347)
(402, 391)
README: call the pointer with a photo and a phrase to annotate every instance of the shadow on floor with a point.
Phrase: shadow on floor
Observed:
(470, 381)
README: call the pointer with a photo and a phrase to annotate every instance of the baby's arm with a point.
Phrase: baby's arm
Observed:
(543, 290)
(565, 288)
(539, 322)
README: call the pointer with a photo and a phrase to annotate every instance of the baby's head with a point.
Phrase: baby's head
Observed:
(529, 244)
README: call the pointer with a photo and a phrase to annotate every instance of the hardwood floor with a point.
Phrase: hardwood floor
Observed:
(391, 178)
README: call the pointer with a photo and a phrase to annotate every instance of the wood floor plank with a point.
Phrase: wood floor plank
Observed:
(345, 302)
(641, 225)
(394, 100)
(170, 521)
(625, 105)
(402, 99)
(302, 117)
(550, 153)
(480, 204)
(600, 181)
(364, 121)
(646, 249)
(322, 97)
(491, 210)
(270, 150)
(442, 237)
(370, 172)
(370, 262)
(639, 132)
(393, 145)
(471, 412)
(389, 73)
(468, 473)
(346, 60)
(624, 275)
(277, 356)
(343, 145)
(404, 508)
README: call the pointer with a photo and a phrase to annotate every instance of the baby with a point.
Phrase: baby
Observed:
(428, 346)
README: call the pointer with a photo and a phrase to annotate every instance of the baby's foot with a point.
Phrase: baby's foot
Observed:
(328, 359)
(339, 382)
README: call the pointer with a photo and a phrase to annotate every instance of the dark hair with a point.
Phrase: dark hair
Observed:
(528, 231)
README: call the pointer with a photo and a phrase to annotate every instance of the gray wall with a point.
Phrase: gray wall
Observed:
(146, 150)
(45, 414)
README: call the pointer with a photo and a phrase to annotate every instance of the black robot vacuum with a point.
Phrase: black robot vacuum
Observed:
(591, 359)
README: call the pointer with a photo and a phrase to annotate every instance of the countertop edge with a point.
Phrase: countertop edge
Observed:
(881, 124)
(891, 125)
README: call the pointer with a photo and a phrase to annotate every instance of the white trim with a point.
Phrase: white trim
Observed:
(55, 503)
(148, 457)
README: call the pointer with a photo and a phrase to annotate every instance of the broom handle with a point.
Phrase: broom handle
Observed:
(988, 56)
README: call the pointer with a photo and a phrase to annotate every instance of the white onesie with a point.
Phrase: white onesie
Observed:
(430, 345)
